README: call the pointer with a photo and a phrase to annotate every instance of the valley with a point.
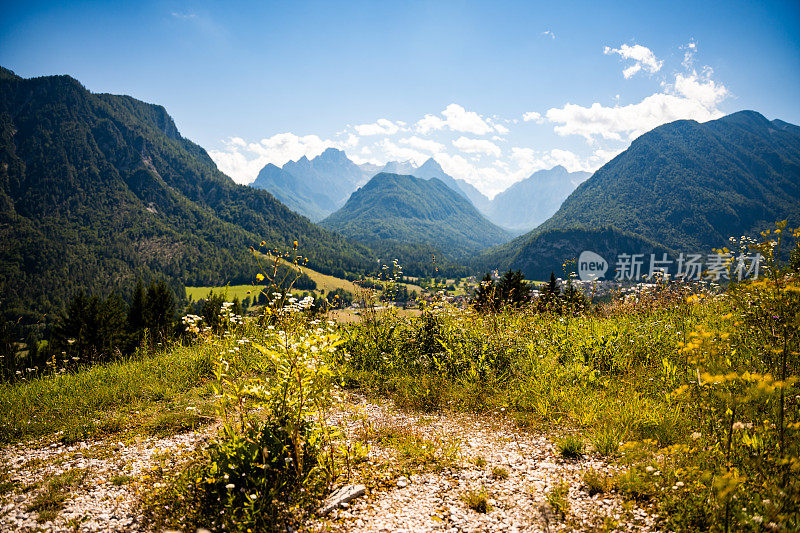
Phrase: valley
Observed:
(556, 308)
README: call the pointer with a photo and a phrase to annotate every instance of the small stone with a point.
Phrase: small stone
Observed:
(343, 495)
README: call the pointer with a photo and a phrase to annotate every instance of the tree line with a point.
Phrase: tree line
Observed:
(511, 290)
(91, 329)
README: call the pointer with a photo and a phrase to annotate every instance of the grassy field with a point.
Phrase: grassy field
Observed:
(231, 292)
(324, 282)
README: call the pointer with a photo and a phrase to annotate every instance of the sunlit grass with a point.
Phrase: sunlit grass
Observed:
(109, 398)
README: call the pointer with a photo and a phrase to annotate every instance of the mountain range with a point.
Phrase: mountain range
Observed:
(317, 187)
(97, 190)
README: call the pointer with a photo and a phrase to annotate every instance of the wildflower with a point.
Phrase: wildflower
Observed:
(260, 276)
(230, 486)
(696, 435)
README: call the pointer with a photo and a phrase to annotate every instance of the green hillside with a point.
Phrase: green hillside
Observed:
(692, 186)
(683, 186)
(98, 189)
(409, 210)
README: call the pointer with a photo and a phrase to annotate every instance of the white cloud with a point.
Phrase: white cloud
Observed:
(530, 160)
(700, 88)
(477, 146)
(688, 54)
(237, 165)
(532, 116)
(548, 33)
(600, 157)
(643, 58)
(425, 145)
(401, 153)
(468, 145)
(490, 179)
(692, 96)
(455, 118)
(381, 126)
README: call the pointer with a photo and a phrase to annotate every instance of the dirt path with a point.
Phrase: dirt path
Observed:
(418, 469)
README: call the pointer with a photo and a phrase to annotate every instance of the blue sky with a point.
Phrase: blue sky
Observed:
(259, 82)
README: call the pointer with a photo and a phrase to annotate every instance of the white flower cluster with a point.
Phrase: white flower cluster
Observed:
(296, 305)
(192, 323)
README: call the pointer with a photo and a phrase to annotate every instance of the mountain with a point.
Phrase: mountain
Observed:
(431, 169)
(542, 253)
(97, 190)
(370, 169)
(295, 194)
(692, 186)
(330, 172)
(406, 209)
(478, 199)
(684, 186)
(316, 187)
(529, 202)
(405, 168)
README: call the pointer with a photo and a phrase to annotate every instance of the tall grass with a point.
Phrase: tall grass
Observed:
(102, 398)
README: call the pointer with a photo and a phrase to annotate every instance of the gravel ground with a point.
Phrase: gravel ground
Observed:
(105, 499)
(433, 501)
(426, 498)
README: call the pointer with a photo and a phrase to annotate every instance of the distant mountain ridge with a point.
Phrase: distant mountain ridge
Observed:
(317, 187)
(431, 169)
(295, 194)
(407, 209)
(528, 203)
(313, 187)
(684, 186)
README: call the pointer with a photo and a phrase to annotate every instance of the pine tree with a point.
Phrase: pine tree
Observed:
(135, 321)
(32, 343)
(484, 298)
(112, 326)
(548, 299)
(512, 290)
(159, 311)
